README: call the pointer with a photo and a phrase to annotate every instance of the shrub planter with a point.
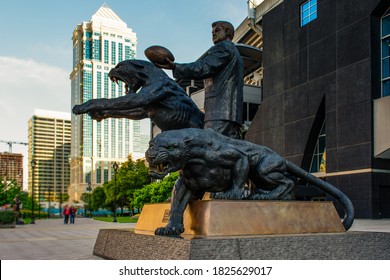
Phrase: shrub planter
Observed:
(7, 219)
(11, 225)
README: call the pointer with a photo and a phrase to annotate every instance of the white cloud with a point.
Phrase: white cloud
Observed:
(20, 73)
(24, 86)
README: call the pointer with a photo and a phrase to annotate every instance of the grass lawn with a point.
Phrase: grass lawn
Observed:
(119, 219)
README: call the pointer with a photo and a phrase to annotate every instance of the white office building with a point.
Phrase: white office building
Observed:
(49, 141)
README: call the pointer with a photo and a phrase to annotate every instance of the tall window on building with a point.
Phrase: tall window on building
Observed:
(113, 138)
(308, 11)
(99, 139)
(105, 51)
(120, 138)
(88, 49)
(105, 85)
(75, 55)
(385, 38)
(249, 112)
(105, 138)
(105, 174)
(120, 52)
(318, 162)
(99, 175)
(99, 84)
(127, 52)
(96, 50)
(88, 171)
(88, 46)
(113, 53)
(87, 85)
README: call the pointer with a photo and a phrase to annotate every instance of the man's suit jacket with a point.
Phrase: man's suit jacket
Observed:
(222, 71)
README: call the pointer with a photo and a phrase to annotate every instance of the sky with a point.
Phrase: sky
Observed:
(36, 47)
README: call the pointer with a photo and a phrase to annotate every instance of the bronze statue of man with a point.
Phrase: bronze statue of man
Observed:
(16, 207)
(222, 72)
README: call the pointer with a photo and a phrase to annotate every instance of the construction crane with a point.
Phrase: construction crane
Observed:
(12, 142)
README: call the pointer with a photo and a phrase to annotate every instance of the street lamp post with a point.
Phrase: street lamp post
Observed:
(39, 201)
(33, 163)
(48, 208)
(60, 204)
(115, 166)
(89, 189)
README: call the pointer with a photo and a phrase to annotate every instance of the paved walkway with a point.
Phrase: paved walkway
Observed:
(52, 240)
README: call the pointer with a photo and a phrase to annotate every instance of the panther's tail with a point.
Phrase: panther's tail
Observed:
(345, 202)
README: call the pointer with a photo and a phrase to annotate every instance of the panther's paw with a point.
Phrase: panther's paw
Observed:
(266, 196)
(173, 231)
(84, 108)
(77, 110)
(230, 195)
(96, 115)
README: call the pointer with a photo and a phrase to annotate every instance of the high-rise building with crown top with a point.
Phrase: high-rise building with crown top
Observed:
(98, 45)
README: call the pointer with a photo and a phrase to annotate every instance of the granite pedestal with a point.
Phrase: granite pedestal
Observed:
(218, 229)
(127, 245)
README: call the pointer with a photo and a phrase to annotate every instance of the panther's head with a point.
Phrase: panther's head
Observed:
(134, 73)
(167, 152)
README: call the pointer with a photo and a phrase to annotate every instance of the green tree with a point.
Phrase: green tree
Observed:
(10, 190)
(62, 197)
(158, 191)
(87, 199)
(98, 198)
(109, 190)
(131, 176)
(27, 200)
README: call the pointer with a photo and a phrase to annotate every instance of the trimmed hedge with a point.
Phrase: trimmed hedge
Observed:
(7, 217)
(26, 214)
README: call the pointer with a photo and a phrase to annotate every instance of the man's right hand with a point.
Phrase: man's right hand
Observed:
(168, 65)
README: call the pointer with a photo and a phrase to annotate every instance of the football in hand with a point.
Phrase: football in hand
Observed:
(157, 54)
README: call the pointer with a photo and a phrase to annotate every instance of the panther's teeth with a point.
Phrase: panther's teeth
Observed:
(160, 167)
(115, 80)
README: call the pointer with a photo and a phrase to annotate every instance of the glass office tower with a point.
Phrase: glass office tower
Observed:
(98, 45)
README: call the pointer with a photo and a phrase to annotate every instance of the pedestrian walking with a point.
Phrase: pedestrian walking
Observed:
(73, 211)
(66, 213)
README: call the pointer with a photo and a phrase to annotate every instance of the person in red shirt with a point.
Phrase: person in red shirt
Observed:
(66, 213)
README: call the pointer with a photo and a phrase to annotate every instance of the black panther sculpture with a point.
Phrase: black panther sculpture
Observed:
(211, 162)
(159, 98)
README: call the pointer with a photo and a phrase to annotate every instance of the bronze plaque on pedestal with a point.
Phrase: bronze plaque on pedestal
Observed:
(213, 218)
